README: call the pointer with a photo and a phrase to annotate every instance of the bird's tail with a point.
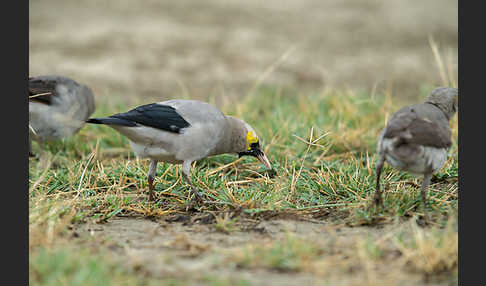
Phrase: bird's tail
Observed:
(111, 121)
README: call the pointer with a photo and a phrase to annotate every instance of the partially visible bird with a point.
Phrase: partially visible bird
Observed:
(58, 108)
(181, 132)
(416, 139)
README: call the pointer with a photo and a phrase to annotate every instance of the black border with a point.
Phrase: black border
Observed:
(471, 195)
(15, 142)
(14, 116)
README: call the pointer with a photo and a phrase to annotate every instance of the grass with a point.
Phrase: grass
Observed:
(70, 267)
(322, 146)
(287, 254)
(386, 258)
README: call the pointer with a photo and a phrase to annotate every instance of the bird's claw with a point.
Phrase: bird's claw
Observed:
(424, 220)
(377, 203)
(151, 198)
(196, 200)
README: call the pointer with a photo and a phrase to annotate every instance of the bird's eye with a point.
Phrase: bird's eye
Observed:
(255, 145)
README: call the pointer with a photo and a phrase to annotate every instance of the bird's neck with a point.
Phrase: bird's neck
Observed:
(440, 107)
(233, 137)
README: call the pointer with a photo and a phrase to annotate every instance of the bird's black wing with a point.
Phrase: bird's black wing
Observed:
(414, 129)
(155, 115)
(41, 90)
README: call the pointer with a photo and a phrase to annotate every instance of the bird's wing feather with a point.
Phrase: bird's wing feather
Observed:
(41, 90)
(419, 130)
(155, 115)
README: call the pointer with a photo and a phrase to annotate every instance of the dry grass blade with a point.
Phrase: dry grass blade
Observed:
(313, 142)
(214, 171)
(450, 70)
(309, 144)
(272, 67)
(32, 129)
(91, 156)
(39, 94)
(438, 60)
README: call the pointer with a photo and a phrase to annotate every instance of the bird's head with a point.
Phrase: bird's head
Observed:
(249, 145)
(445, 98)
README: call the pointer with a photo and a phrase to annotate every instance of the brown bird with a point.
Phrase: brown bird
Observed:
(58, 107)
(416, 139)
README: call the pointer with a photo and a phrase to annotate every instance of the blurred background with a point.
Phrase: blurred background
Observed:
(155, 50)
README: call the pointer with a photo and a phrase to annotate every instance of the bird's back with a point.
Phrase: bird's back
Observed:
(63, 95)
(419, 124)
(61, 108)
(195, 111)
(415, 139)
(208, 125)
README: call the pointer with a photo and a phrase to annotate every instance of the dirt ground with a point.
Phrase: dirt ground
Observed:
(163, 49)
(190, 248)
(194, 248)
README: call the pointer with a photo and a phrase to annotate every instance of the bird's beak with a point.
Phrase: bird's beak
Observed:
(261, 156)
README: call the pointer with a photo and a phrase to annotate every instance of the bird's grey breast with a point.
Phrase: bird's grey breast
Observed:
(63, 114)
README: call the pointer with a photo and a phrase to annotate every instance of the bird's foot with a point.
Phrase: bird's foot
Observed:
(377, 203)
(424, 220)
(195, 201)
(427, 217)
(151, 198)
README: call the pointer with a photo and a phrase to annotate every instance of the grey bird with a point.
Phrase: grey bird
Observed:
(416, 139)
(181, 132)
(58, 108)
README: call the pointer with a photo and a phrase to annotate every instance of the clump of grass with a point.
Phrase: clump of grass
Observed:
(289, 253)
(225, 224)
(431, 252)
(48, 222)
(74, 267)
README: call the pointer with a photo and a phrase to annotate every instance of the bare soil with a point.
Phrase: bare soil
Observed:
(190, 248)
(163, 49)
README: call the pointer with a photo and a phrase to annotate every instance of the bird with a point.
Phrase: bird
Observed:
(416, 139)
(58, 108)
(181, 131)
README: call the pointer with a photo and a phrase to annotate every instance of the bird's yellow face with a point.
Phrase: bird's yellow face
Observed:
(251, 138)
(254, 149)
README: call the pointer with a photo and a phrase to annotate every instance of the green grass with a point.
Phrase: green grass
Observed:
(287, 254)
(322, 146)
(77, 268)
(98, 168)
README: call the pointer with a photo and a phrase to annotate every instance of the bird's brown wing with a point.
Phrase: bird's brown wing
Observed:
(41, 90)
(413, 129)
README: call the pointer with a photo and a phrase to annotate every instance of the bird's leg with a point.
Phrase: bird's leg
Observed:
(186, 168)
(151, 176)
(423, 192)
(31, 154)
(378, 200)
